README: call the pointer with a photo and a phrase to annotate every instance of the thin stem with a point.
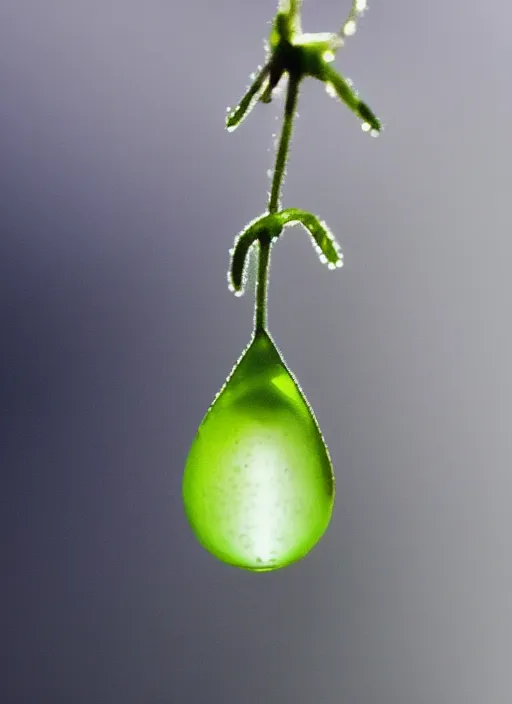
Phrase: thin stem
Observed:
(261, 290)
(245, 105)
(273, 205)
(292, 95)
(349, 26)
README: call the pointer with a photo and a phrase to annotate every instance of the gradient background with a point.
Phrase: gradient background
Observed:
(120, 195)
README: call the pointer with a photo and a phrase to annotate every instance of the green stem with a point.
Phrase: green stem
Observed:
(261, 290)
(292, 95)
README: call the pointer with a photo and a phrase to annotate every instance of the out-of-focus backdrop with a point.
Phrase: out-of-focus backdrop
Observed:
(120, 196)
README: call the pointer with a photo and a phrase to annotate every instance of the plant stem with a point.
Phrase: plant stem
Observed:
(261, 288)
(292, 95)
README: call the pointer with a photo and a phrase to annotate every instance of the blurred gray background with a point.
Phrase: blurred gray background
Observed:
(120, 195)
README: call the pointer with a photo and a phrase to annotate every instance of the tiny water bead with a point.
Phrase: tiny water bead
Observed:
(258, 486)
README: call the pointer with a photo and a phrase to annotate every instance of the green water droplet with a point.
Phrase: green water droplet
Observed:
(258, 485)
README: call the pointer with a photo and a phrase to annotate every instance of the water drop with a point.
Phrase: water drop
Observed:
(330, 89)
(350, 28)
(266, 523)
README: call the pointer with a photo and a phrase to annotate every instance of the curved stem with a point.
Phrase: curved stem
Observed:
(292, 95)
